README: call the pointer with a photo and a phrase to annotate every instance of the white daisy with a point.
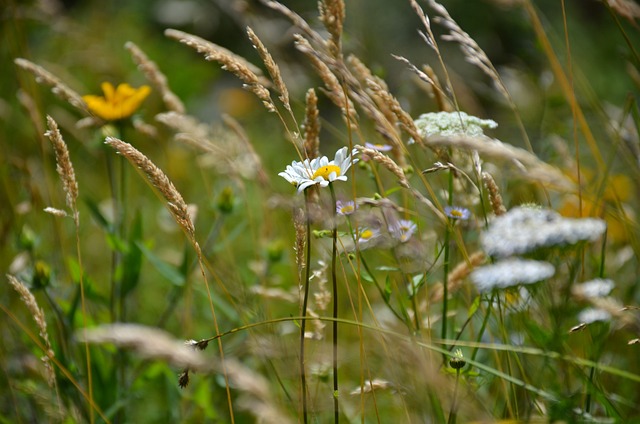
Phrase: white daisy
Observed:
(319, 170)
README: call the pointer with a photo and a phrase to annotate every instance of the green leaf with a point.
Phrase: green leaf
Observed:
(168, 271)
(474, 306)
(132, 259)
(94, 211)
(387, 289)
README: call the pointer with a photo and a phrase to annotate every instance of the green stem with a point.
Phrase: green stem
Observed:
(445, 277)
(303, 324)
(334, 249)
(453, 414)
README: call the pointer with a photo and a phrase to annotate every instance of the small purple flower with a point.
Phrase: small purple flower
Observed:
(378, 147)
(345, 208)
(457, 212)
(403, 230)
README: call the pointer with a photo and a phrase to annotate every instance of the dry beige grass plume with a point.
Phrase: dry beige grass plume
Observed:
(272, 68)
(64, 166)
(156, 77)
(334, 90)
(237, 65)
(332, 14)
(38, 316)
(149, 343)
(58, 88)
(312, 125)
(159, 180)
(494, 194)
(530, 166)
(385, 161)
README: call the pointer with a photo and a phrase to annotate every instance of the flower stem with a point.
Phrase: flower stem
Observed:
(453, 414)
(336, 408)
(303, 324)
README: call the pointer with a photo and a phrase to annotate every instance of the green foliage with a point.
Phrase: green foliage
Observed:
(414, 336)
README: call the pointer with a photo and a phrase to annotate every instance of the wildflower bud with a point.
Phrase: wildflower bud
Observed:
(28, 238)
(183, 379)
(408, 171)
(109, 131)
(351, 256)
(225, 200)
(275, 249)
(41, 275)
(321, 233)
(457, 360)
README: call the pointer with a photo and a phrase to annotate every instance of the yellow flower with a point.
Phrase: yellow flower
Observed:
(117, 103)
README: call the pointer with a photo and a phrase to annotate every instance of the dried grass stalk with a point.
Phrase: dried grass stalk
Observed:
(625, 8)
(494, 194)
(405, 120)
(299, 224)
(256, 398)
(64, 166)
(312, 126)
(237, 65)
(332, 13)
(272, 68)
(156, 77)
(457, 276)
(295, 19)
(333, 87)
(470, 49)
(38, 316)
(159, 180)
(149, 343)
(529, 164)
(256, 162)
(387, 162)
(58, 88)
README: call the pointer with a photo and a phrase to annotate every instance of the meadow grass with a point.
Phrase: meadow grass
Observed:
(423, 263)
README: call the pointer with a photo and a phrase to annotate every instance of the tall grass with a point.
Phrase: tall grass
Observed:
(470, 268)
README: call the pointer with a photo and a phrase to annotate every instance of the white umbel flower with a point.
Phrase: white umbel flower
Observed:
(319, 171)
(510, 272)
(525, 229)
(593, 289)
(591, 315)
(451, 123)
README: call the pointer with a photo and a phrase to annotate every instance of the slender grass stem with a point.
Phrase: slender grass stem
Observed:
(445, 276)
(303, 324)
(334, 284)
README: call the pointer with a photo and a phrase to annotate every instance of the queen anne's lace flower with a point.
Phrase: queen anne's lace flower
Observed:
(319, 171)
(510, 272)
(596, 288)
(525, 229)
(591, 315)
(451, 123)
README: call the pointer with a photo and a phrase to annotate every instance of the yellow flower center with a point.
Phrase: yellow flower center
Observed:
(456, 213)
(325, 171)
(366, 234)
(347, 209)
